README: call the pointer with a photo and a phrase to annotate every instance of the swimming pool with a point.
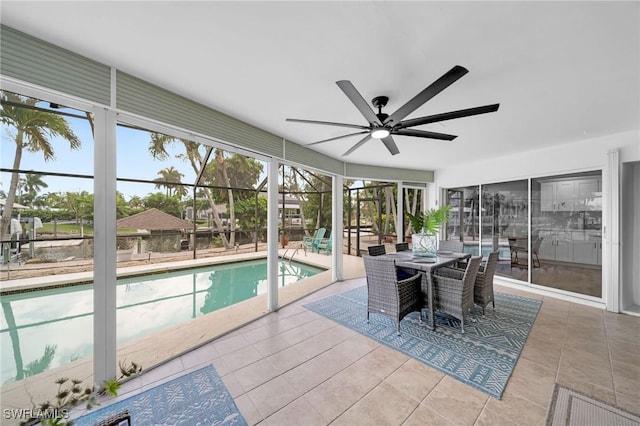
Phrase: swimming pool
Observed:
(44, 329)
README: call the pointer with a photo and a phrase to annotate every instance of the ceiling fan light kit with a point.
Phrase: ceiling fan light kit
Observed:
(380, 133)
(382, 126)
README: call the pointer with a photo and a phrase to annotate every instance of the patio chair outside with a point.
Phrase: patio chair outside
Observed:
(520, 252)
(483, 290)
(312, 242)
(388, 295)
(535, 248)
(325, 244)
(402, 246)
(377, 250)
(453, 289)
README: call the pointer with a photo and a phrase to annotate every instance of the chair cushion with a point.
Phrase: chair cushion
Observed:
(404, 274)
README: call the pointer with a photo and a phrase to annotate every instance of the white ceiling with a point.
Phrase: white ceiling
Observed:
(561, 71)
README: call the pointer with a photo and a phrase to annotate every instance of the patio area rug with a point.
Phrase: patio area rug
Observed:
(572, 408)
(197, 398)
(483, 357)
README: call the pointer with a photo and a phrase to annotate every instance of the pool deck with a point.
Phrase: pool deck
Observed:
(157, 349)
(55, 280)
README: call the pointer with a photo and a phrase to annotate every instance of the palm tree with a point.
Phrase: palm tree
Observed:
(171, 179)
(31, 185)
(135, 202)
(158, 149)
(31, 130)
(81, 205)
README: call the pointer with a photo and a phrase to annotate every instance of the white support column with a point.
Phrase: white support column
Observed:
(104, 247)
(272, 235)
(611, 231)
(338, 228)
(529, 230)
(400, 213)
(429, 197)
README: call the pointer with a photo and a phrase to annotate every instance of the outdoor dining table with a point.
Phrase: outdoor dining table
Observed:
(426, 266)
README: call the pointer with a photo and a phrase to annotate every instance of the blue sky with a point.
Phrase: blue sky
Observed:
(133, 161)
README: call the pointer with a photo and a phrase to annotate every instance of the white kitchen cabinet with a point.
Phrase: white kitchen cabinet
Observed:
(565, 195)
(564, 249)
(569, 195)
(572, 247)
(547, 246)
(556, 246)
(585, 252)
(547, 196)
(557, 195)
(588, 194)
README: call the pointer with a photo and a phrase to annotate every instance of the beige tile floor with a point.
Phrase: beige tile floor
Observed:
(294, 367)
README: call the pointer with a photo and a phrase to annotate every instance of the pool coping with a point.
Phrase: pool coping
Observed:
(24, 285)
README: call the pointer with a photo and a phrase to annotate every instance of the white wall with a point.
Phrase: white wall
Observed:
(588, 154)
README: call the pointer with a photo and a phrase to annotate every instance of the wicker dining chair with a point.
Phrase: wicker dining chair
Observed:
(483, 289)
(388, 295)
(451, 245)
(402, 246)
(455, 247)
(377, 250)
(453, 290)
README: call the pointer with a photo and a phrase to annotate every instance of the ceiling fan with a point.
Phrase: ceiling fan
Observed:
(382, 126)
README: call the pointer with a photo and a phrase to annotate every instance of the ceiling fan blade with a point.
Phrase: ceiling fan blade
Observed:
(436, 87)
(337, 137)
(358, 145)
(356, 98)
(448, 116)
(424, 134)
(391, 145)
(328, 123)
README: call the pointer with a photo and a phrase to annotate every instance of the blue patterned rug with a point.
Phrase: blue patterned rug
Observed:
(483, 357)
(197, 398)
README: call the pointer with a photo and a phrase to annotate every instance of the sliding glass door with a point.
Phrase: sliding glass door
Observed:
(567, 219)
(505, 226)
(465, 218)
(554, 240)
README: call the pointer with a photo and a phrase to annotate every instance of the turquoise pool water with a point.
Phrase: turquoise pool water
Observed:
(43, 329)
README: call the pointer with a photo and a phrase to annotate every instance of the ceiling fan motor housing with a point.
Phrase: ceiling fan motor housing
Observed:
(380, 102)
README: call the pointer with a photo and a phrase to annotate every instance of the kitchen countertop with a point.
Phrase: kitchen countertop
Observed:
(574, 234)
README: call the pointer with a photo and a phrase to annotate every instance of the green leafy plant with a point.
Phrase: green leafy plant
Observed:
(430, 220)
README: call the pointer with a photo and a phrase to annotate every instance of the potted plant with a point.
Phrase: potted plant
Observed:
(426, 227)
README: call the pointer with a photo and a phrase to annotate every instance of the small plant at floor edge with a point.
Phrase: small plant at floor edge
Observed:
(128, 371)
(72, 393)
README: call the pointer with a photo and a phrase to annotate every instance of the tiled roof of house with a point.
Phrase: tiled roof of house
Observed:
(153, 220)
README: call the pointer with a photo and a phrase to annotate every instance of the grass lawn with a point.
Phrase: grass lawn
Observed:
(64, 228)
(72, 228)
